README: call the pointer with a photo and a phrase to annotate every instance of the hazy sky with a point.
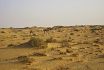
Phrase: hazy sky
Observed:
(23, 13)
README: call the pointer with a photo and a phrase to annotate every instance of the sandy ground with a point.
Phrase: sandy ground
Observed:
(45, 62)
(68, 48)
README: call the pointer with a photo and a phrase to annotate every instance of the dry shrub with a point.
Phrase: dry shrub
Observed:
(11, 45)
(37, 42)
(23, 59)
(71, 33)
(1, 40)
(76, 30)
(62, 68)
(50, 40)
(101, 56)
(97, 41)
(2, 32)
(38, 54)
(64, 43)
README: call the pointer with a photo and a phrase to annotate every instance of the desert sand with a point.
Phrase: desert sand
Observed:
(52, 48)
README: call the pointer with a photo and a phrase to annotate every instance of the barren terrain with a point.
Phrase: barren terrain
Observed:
(52, 48)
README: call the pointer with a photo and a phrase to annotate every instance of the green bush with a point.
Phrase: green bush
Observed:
(37, 42)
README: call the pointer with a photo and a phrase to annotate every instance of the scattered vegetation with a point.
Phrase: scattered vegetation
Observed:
(50, 40)
(2, 32)
(23, 39)
(64, 43)
(38, 54)
(71, 33)
(23, 59)
(11, 45)
(97, 41)
(76, 30)
(101, 56)
(37, 42)
(62, 68)
(27, 27)
(68, 45)
(1, 40)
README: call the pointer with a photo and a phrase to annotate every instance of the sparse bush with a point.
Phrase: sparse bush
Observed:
(64, 43)
(85, 42)
(50, 40)
(1, 40)
(24, 39)
(97, 41)
(23, 59)
(62, 68)
(37, 43)
(14, 36)
(11, 45)
(71, 33)
(38, 54)
(76, 30)
(2, 32)
(59, 30)
(11, 27)
(27, 27)
(57, 27)
(78, 35)
(101, 56)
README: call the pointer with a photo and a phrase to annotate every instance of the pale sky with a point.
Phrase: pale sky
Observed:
(23, 13)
